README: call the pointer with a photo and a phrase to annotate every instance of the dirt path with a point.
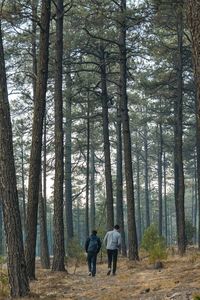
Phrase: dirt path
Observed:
(178, 280)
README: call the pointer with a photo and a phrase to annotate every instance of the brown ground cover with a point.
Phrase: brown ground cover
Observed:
(178, 280)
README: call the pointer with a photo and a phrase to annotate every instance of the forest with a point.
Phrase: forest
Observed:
(99, 125)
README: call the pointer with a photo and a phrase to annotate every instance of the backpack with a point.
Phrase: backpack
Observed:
(93, 244)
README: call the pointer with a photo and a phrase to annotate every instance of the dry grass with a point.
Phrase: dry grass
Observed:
(179, 279)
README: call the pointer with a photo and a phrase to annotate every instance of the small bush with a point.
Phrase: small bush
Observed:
(196, 297)
(154, 244)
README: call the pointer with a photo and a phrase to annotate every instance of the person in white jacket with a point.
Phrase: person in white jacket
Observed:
(112, 241)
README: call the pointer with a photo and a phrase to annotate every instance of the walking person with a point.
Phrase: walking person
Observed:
(92, 247)
(112, 240)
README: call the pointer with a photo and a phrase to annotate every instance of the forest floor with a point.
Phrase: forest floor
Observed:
(179, 279)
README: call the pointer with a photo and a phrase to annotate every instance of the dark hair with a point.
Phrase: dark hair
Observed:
(94, 232)
(116, 227)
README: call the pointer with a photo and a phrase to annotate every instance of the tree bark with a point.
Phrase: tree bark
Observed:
(87, 172)
(17, 273)
(119, 185)
(23, 185)
(36, 147)
(178, 132)
(165, 196)
(44, 249)
(139, 222)
(146, 170)
(160, 179)
(193, 15)
(92, 187)
(108, 176)
(132, 234)
(59, 248)
(68, 164)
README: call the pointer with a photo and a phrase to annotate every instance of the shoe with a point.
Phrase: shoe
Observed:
(109, 271)
(89, 274)
(113, 274)
(93, 275)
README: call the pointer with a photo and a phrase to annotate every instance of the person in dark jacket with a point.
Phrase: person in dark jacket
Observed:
(92, 247)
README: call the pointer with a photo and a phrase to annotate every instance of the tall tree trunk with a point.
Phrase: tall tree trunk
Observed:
(165, 195)
(23, 183)
(87, 172)
(44, 165)
(44, 249)
(36, 147)
(68, 164)
(193, 14)
(119, 185)
(78, 221)
(58, 248)
(160, 179)
(139, 222)
(178, 131)
(108, 176)
(92, 187)
(34, 5)
(17, 274)
(195, 204)
(132, 234)
(146, 170)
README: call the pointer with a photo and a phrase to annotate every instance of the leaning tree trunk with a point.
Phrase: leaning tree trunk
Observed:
(132, 234)
(59, 248)
(17, 273)
(178, 132)
(36, 147)
(108, 176)
(193, 14)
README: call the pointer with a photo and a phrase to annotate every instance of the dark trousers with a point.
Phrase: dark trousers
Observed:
(112, 259)
(92, 260)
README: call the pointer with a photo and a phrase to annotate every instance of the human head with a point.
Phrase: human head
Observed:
(94, 232)
(116, 227)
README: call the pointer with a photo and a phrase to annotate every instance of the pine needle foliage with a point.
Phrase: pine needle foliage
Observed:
(154, 244)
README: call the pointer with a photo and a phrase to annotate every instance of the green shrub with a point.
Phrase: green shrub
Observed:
(154, 244)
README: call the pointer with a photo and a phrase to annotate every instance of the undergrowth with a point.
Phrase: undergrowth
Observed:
(4, 290)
